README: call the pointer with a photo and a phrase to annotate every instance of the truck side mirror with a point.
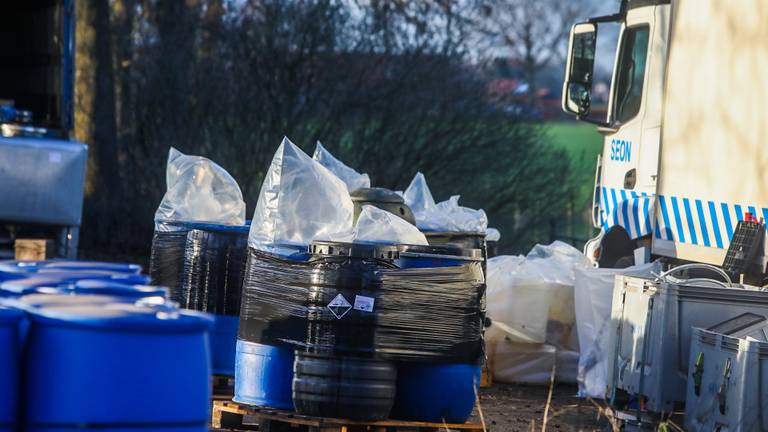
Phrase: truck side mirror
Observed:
(577, 87)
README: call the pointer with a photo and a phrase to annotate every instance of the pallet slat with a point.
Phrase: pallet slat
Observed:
(331, 424)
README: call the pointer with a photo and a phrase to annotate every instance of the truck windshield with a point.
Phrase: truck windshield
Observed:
(629, 88)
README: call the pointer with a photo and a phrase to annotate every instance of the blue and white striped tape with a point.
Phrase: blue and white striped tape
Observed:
(628, 209)
(680, 219)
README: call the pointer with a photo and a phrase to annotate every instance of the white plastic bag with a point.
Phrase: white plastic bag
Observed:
(446, 216)
(533, 295)
(199, 190)
(300, 200)
(350, 177)
(418, 196)
(375, 225)
(492, 234)
(593, 301)
(528, 363)
(449, 216)
(517, 300)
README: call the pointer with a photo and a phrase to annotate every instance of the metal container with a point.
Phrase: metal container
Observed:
(42, 181)
(727, 383)
(653, 326)
(384, 199)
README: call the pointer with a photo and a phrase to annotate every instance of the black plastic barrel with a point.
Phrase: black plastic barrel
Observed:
(337, 374)
(343, 386)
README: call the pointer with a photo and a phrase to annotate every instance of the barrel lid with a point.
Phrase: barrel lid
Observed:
(452, 234)
(376, 194)
(58, 278)
(58, 265)
(10, 314)
(440, 251)
(121, 316)
(109, 287)
(37, 299)
(178, 226)
(354, 250)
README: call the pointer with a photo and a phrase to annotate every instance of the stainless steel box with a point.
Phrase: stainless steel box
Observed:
(42, 181)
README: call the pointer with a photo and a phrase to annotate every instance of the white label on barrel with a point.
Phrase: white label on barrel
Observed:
(363, 303)
(339, 306)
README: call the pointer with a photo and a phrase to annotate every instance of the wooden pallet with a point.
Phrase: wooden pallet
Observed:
(232, 415)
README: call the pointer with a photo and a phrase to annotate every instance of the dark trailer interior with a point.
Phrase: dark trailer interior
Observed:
(36, 62)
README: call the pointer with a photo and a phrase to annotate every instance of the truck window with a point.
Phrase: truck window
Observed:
(631, 73)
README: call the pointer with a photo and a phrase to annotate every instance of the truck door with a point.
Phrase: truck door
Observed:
(631, 148)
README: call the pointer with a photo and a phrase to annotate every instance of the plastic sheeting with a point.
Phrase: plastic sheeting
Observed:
(300, 200)
(380, 226)
(350, 177)
(202, 265)
(531, 305)
(446, 216)
(214, 266)
(199, 190)
(594, 297)
(338, 303)
(529, 363)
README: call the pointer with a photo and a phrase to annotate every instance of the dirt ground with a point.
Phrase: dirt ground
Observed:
(517, 407)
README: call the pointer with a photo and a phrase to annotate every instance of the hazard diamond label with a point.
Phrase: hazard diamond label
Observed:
(339, 306)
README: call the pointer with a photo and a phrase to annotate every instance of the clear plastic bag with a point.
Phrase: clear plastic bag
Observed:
(300, 200)
(417, 196)
(380, 226)
(350, 177)
(593, 301)
(198, 190)
(531, 304)
(445, 216)
(492, 234)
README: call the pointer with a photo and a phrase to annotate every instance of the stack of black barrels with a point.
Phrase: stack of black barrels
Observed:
(363, 331)
(203, 264)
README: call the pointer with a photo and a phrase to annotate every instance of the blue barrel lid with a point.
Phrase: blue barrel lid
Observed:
(177, 226)
(122, 317)
(58, 278)
(62, 264)
(111, 287)
(10, 314)
(37, 300)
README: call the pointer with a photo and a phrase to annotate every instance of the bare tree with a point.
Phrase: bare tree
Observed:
(532, 32)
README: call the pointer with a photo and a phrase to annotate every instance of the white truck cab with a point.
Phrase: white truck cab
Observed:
(679, 168)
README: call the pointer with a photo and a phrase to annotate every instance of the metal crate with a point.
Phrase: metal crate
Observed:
(653, 323)
(727, 383)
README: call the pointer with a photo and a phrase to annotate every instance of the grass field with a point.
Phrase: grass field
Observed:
(582, 143)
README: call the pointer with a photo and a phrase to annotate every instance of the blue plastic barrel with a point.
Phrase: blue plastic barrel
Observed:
(10, 349)
(223, 344)
(435, 392)
(116, 367)
(263, 375)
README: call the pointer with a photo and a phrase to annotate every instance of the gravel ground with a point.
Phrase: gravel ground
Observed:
(517, 407)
